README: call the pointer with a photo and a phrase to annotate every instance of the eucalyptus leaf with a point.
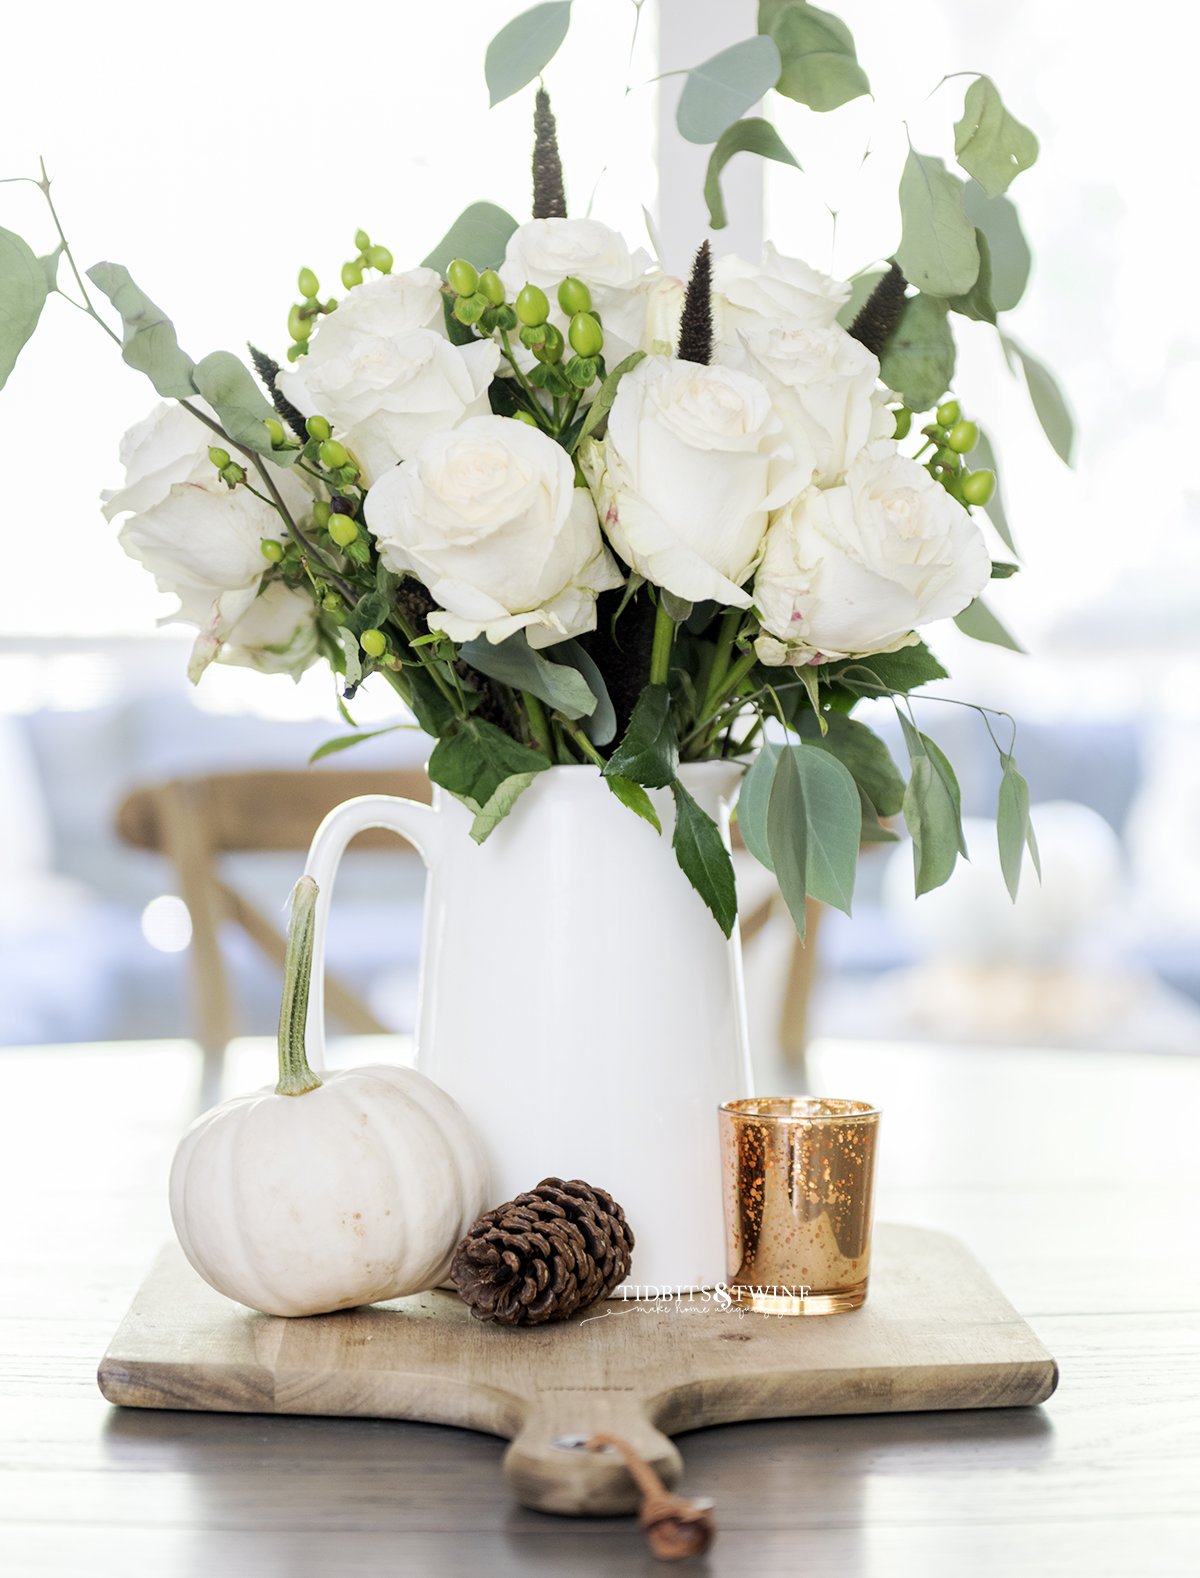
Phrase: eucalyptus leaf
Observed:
(649, 752)
(635, 797)
(754, 797)
(148, 342)
(752, 135)
(343, 742)
(523, 48)
(937, 251)
(1008, 249)
(49, 265)
(600, 725)
(980, 623)
(864, 755)
(983, 457)
(703, 858)
(918, 359)
(989, 143)
(889, 673)
(1014, 827)
(834, 813)
(978, 303)
(787, 835)
(720, 90)
(514, 662)
(499, 803)
(932, 811)
(479, 234)
(605, 395)
(235, 395)
(1049, 403)
(23, 291)
(820, 66)
(474, 761)
(351, 653)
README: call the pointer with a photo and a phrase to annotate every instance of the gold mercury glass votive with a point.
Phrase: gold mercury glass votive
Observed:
(797, 1174)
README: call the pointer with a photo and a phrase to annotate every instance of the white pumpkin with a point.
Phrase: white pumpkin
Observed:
(318, 1196)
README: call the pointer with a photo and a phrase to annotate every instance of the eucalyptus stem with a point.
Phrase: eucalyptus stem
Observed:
(539, 724)
(295, 1076)
(44, 186)
(660, 653)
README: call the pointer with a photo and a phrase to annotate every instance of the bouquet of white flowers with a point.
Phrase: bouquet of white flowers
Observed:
(576, 511)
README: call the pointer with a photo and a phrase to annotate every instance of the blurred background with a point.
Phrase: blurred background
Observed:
(216, 156)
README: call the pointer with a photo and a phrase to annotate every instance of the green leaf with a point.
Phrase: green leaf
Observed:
(500, 802)
(861, 287)
(1011, 259)
(351, 651)
(1014, 828)
(649, 753)
(937, 252)
(978, 303)
(983, 458)
(522, 49)
(980, 623)
(932, 811)
(787, 836)
(720, 90)
(235, 395)
(820, 66)
(49, 266)
(918, 359)
(834, 815)
(746, 136)
(479, 234)
(863, 754)
(23, 291)
(600, 725)
(605, 395)
(473, 762)
(149, 342)
(1048, 401)
(873, 830)
(989, 143)
(635, 797)
(703, 858)
(890, 673)
(754, 797)
(514, 662)
(343, 742)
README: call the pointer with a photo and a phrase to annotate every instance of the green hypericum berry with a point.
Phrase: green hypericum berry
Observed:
(343, 530)
(948, 413)
(333, 454)
(463, 278)
(492, 286)
(351, 274)
(373, 643)
(532, 306)
(321, 513)
(903, 422)
(527, 417)
(380, 258)
(551, 348)
(318, 427)
(963, 437)
(275, 429)
(271, 549)
(219, 457)
(978, 487)
(332, 603)
(299, 327)
(308, 283)
(233, 474)
(574, 296)
(469, 309)
(586, 335)
(362, 240)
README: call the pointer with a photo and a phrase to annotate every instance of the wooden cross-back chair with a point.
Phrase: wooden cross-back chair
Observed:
(193, 822)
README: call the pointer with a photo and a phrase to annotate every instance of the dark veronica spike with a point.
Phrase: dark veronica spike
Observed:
(880, 313)
(268, 371)
(549, 197)
(695, 324)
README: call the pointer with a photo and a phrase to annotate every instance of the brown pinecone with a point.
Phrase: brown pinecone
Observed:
(544, 1255)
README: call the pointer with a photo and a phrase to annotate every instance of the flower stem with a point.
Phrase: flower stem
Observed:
(730, 624)
(660, 653)
(582, 742)
(295, 1076)
(539, 724)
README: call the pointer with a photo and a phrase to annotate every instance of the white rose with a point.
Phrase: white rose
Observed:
(779, 290)
(382, 371)
(276, 635)
(164, 448)
(824, 386)
(693, 461)
(854, 569)
(488, 517)
(625, 292)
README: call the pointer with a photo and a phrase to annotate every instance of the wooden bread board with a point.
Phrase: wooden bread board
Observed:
(935, 1333)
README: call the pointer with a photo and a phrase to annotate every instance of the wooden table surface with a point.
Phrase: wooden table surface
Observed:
(1072, 1176)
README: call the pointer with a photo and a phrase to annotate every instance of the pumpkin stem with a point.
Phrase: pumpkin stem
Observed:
(295, 1076)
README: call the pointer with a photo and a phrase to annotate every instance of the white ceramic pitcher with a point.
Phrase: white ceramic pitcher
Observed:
(577, 999)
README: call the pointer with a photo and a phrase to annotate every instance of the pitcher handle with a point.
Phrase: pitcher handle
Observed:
(418, 823)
